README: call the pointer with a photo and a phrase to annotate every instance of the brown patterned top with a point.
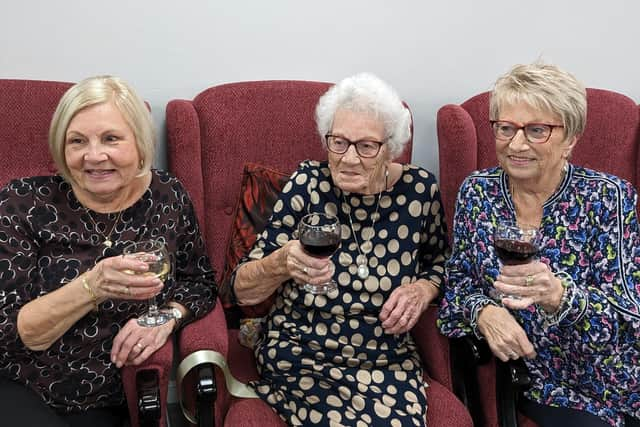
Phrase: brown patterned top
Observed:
(47, 239)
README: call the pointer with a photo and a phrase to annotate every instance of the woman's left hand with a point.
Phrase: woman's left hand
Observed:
(405, 305)
(531, 283)
(134, 343)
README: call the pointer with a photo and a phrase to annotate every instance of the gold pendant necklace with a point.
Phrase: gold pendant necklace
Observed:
(107, 237)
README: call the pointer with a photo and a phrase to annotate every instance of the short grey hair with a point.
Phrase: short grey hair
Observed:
(546, 88)
(99, 90)
(367, 93)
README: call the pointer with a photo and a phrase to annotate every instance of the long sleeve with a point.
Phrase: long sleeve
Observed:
(19, 282)
(434, 250)
(195, 283)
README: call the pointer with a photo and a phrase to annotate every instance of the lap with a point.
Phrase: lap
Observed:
(21, 406)
(551, 416)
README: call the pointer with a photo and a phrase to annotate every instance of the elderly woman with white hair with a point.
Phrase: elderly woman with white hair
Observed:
(347, 357)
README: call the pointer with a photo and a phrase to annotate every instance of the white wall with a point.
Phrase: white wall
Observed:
(433, 53)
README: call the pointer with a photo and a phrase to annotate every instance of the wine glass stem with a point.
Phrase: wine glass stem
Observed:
(153, 307)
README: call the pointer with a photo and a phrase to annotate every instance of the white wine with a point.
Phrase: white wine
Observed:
(159, 268)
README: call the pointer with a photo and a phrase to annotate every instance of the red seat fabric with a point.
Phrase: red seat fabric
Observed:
(26, 109)
(466, 143)
(272, 123)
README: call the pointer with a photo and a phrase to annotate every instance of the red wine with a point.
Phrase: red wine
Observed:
(513, 252)
(320, 243)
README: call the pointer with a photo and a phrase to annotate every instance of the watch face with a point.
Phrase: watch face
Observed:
(177, 314)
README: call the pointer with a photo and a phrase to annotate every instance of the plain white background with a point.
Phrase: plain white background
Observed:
(433, 53)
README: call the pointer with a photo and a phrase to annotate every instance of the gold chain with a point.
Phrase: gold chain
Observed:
(107, 238)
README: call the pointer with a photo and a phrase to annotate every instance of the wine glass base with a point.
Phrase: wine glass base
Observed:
(321, 289)
(149, 320)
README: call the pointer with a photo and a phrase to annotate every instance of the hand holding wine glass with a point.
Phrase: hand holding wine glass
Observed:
(515, 245)
(155, 254)
(320, 236)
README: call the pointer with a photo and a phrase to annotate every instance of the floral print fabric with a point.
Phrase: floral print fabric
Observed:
(590, 360)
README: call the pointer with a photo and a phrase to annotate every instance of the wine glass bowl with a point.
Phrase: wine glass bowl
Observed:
(320, 236)
(516, 244)
(155, 254)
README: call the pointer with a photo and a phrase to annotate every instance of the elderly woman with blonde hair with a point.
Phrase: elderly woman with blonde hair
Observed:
(571, 310)
(69, 300)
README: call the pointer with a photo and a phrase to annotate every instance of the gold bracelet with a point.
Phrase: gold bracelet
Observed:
(85, 285)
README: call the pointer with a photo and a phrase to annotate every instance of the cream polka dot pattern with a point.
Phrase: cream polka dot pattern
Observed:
(328, 361)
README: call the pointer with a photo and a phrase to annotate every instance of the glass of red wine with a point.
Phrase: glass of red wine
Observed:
(320, 236)
(515, 245)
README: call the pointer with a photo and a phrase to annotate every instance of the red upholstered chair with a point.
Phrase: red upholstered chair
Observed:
(466, 143)
(26, 108)
(210, 139)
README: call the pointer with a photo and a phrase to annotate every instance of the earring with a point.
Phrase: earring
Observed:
(141, 164)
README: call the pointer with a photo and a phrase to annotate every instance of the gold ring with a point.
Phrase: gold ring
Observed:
(305, 270)
(127, 290)
(528, 280)
(513, 355)
(139, 346)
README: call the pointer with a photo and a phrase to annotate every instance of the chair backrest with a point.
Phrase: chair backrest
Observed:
(26, 109)
(609, 143)
(212, 137)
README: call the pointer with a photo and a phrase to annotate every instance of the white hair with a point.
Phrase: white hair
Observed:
(367, 93)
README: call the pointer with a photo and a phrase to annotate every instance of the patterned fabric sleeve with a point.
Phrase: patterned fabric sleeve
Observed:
(434, 250)
(18, 251)
(606, 311)
(463, 295)
(195, 283)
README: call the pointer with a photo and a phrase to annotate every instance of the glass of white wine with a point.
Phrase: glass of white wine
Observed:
(155, 254)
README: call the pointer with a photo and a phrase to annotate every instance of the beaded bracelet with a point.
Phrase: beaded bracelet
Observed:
(566, 301)
(85, 285)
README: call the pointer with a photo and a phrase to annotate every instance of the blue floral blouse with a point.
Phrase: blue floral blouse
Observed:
(590, 359)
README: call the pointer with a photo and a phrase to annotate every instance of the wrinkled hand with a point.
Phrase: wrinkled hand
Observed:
(134, 343)
(304, 268)
(112, 278)
(405, 305)
(533, 283)
(506, 338)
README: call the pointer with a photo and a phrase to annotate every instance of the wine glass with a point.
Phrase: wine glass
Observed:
(320, 236)
(515, 245)
(156, 255)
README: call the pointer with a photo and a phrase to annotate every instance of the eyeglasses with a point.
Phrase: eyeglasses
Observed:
(364, 148)
(536, 133)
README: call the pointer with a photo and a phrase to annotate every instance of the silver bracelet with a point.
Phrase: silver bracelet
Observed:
(566, 301)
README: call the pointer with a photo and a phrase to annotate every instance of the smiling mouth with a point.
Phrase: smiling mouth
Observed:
(99, 173)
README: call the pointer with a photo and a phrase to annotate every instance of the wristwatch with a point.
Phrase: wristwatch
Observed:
(176, 314)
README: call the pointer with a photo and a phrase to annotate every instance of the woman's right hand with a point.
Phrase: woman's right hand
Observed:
(506, 338)
(304, 268)
(114, 278)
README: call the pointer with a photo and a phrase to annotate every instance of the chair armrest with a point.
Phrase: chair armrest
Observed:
(205, 386)
(433, 347)
(156, 369)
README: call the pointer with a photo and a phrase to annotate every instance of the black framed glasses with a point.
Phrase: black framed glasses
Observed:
(536, 133)
(364, 147)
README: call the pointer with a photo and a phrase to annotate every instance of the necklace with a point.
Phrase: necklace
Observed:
(361, 259)
(107, 237)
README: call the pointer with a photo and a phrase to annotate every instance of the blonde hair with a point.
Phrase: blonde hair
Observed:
(98, 90)
(367, 93)
(546, 88)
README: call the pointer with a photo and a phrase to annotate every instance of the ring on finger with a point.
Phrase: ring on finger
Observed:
(513, 355)
(528, 280)
(305, 270)
(139, 346)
